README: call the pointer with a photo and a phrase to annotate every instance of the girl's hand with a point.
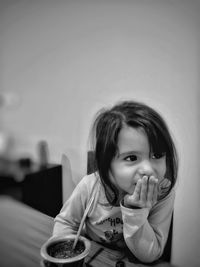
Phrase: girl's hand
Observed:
(144, 195)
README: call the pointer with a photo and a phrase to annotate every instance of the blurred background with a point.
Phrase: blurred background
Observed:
(63, 60)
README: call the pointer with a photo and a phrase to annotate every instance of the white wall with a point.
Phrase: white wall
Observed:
(64, 60)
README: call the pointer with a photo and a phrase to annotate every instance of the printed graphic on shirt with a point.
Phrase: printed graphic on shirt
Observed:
(113, 235)
(112, 229)
(112, 222)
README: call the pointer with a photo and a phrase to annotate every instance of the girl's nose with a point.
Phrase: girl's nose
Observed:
(146, 168)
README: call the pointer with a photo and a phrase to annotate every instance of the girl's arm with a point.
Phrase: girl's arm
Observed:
(68, 220)
(146, 232)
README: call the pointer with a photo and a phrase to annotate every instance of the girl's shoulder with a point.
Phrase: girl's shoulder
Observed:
(166, 203)
(170, 196)
(90, 181)
(93, 185)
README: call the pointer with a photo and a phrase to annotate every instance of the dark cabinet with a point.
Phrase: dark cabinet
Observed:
(42, 190)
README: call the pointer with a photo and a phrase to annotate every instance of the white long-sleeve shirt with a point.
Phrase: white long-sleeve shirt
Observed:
(143, 231)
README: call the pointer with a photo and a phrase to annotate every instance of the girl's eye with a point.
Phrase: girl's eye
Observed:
(131, 158)
(158, 155)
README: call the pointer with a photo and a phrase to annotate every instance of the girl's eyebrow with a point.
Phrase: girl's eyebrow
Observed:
(131, 152)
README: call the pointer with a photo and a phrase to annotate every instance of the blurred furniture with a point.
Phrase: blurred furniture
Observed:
(12, 173)
(68, 184)
(37, 184)
(91, 166)
(42, 190)
(23, 230)
(9, 186)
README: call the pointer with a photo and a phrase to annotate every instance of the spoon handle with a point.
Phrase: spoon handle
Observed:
(82, 221)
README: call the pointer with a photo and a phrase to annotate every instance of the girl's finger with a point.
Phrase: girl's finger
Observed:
(143, 194)
(155, 194)
(137, 190)
(151, 185)
(131, 200)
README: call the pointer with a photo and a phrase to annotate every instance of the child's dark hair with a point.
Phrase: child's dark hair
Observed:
(106, 128)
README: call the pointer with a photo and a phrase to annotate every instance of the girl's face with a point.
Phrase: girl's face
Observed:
(134, 160)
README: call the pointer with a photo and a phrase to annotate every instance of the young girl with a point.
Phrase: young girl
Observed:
(133, 188)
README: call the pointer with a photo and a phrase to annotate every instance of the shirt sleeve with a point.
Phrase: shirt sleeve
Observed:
(146, 231)
(68, 220)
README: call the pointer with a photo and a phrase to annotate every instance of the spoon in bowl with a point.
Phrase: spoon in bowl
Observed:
(82, 222)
